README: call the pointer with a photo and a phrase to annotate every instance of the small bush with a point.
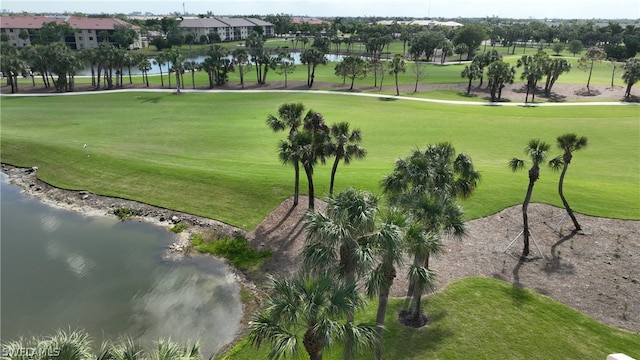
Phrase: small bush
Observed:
(179, 227)
(237, 250)
(124, 213)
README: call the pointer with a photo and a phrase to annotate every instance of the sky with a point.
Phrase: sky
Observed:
(527, 9)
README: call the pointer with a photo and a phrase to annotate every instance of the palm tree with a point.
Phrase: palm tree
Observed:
(471, 72)
(339, 243)
(307, 310)
(395, 67)
(312, 145)
(169, 350)
(344, 147)
(160, 60)
(426, 185)
(312, 57)
(568, 143)
(537, 150)
(291, 118)
(144, 65)
(388, 244)
(631, 75)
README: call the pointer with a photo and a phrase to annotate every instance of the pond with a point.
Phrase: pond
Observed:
(155, 69)
(63, 270)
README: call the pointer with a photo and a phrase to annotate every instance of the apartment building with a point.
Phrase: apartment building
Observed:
(229, 29)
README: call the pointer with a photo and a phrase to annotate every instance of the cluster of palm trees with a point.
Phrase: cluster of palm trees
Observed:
(538, 150)
(310, 140)
(77, 345)
(355, 247)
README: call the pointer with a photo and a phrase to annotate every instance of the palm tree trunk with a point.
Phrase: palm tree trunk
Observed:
(525, 219)
(397, 88)
(564, 201)
(383, 301)
(333, 174)
(309, 172)
(296, 187)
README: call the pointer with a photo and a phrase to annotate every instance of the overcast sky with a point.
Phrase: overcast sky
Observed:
(523, 9)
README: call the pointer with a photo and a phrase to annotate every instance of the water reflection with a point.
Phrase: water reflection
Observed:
(63, 270)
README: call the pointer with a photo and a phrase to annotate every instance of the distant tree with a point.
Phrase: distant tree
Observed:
(575, 46)
(568, 143)
(461, 49)
(533, 69)
(397, 66)
(51, 32)
(557, 47)
(312, 57)
(470, 35)
(144, 65)
(204, 39)
(537, 151)
(175, 58)
(176, 37)
(471, 72)
(124, 36)
(23, 35)
(499, 73)
(631, 75)
(11, 65)
(160, 60)
(553, 69)
(241, 63)
(285, 65)
(587, 61)
(352, 67)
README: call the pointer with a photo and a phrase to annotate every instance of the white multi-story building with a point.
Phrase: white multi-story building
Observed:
(229, 29)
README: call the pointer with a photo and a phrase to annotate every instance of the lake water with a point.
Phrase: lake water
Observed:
(60, 269)
(155, 69)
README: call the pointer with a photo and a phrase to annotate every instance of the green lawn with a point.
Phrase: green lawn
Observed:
(483, 318)
(213, 155)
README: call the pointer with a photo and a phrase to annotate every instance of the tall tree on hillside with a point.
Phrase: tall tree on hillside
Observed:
(568, 143)
(344, 146)
(587, 61)
(290, 118)
(537, 151)
(397, 66)
(306, 311)
(631, 75)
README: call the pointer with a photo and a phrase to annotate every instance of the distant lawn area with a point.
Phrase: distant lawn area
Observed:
(213, 155)
(483, 318)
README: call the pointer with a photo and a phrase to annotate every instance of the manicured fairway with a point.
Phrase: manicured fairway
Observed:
(211, 154)
(482, 318)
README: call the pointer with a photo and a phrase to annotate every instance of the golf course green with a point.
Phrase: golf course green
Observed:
(211, 154)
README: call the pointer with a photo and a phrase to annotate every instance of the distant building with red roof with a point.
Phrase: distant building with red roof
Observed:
(86, 30)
